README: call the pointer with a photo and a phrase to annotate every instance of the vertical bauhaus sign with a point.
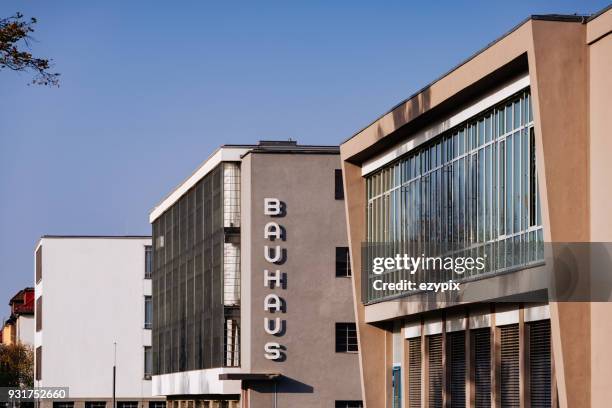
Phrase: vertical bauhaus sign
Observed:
(274, 255)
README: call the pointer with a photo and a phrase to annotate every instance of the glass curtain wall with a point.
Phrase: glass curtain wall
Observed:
(471, 191)
(189, 294)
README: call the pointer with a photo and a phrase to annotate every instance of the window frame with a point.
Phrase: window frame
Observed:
(148, 356)
(345, 328)
(148, 322)
(347, 272)
(338, 185)
(148, 272)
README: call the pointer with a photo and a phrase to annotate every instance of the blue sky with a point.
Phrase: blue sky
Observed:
(150, 89)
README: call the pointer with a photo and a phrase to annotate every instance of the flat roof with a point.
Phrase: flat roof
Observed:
(235, 152)
(569, 18)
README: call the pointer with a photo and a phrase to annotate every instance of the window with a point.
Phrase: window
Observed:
(148, 362)
(349, 404)
(39, 264)
(127, 404)
(456, 364)
(63, 404)
(95, 404)
(188, 268)
(232, 342)
(148, 261)
(148, 312)
(346, 338)
(539, 363)
(339, 188)
(509, 367)
(396, 379)
(481, 349)
(343, 262)
(434, 345)
(39, 314)
(38, 362)
(474, 186)
(414, 372)
(157, 404)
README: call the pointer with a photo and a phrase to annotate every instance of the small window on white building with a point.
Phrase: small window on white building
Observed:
(95, 404)
(148, 261)
(148, 323)
(148, 362)
(127, 404)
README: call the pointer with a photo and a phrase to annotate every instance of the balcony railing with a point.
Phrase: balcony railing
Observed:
(507, 254)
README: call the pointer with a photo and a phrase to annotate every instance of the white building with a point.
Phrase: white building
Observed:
(93, 292)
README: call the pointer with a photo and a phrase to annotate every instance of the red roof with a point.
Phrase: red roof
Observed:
(23, 302)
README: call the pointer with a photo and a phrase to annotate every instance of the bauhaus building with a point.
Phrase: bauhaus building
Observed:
(252, 290)
(502, 156)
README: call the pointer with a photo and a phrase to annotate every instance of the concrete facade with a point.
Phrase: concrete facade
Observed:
(567, 60)
(308, 371)
(314, 375)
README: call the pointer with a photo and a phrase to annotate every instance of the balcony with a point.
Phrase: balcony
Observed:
(504, 255)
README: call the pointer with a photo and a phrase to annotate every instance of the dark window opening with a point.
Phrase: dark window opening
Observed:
(349, 404)
(95, 404)
(509, 368)
(39, 314)
(127, 404)
(532, 180)
(343, 262)
(38, 360)
(481, 349)
(339, 188)
(346, 338)
(539, 364)
(435, 372)
(63, 404)
(414, 372)
(39, 264)
(457, 366)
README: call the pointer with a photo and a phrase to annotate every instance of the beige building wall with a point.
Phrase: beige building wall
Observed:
(568, 63)
(8, 333)
(599, 39)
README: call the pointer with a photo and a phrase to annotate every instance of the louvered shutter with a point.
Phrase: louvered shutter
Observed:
(435, 370)
(481, 340)
(456, 364)
(414, 372)
(509, 373)
(540, 364)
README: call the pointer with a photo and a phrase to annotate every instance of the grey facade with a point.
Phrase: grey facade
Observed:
(222, 335)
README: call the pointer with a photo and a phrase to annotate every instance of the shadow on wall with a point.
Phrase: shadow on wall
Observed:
(284, 385)
(407, 111)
